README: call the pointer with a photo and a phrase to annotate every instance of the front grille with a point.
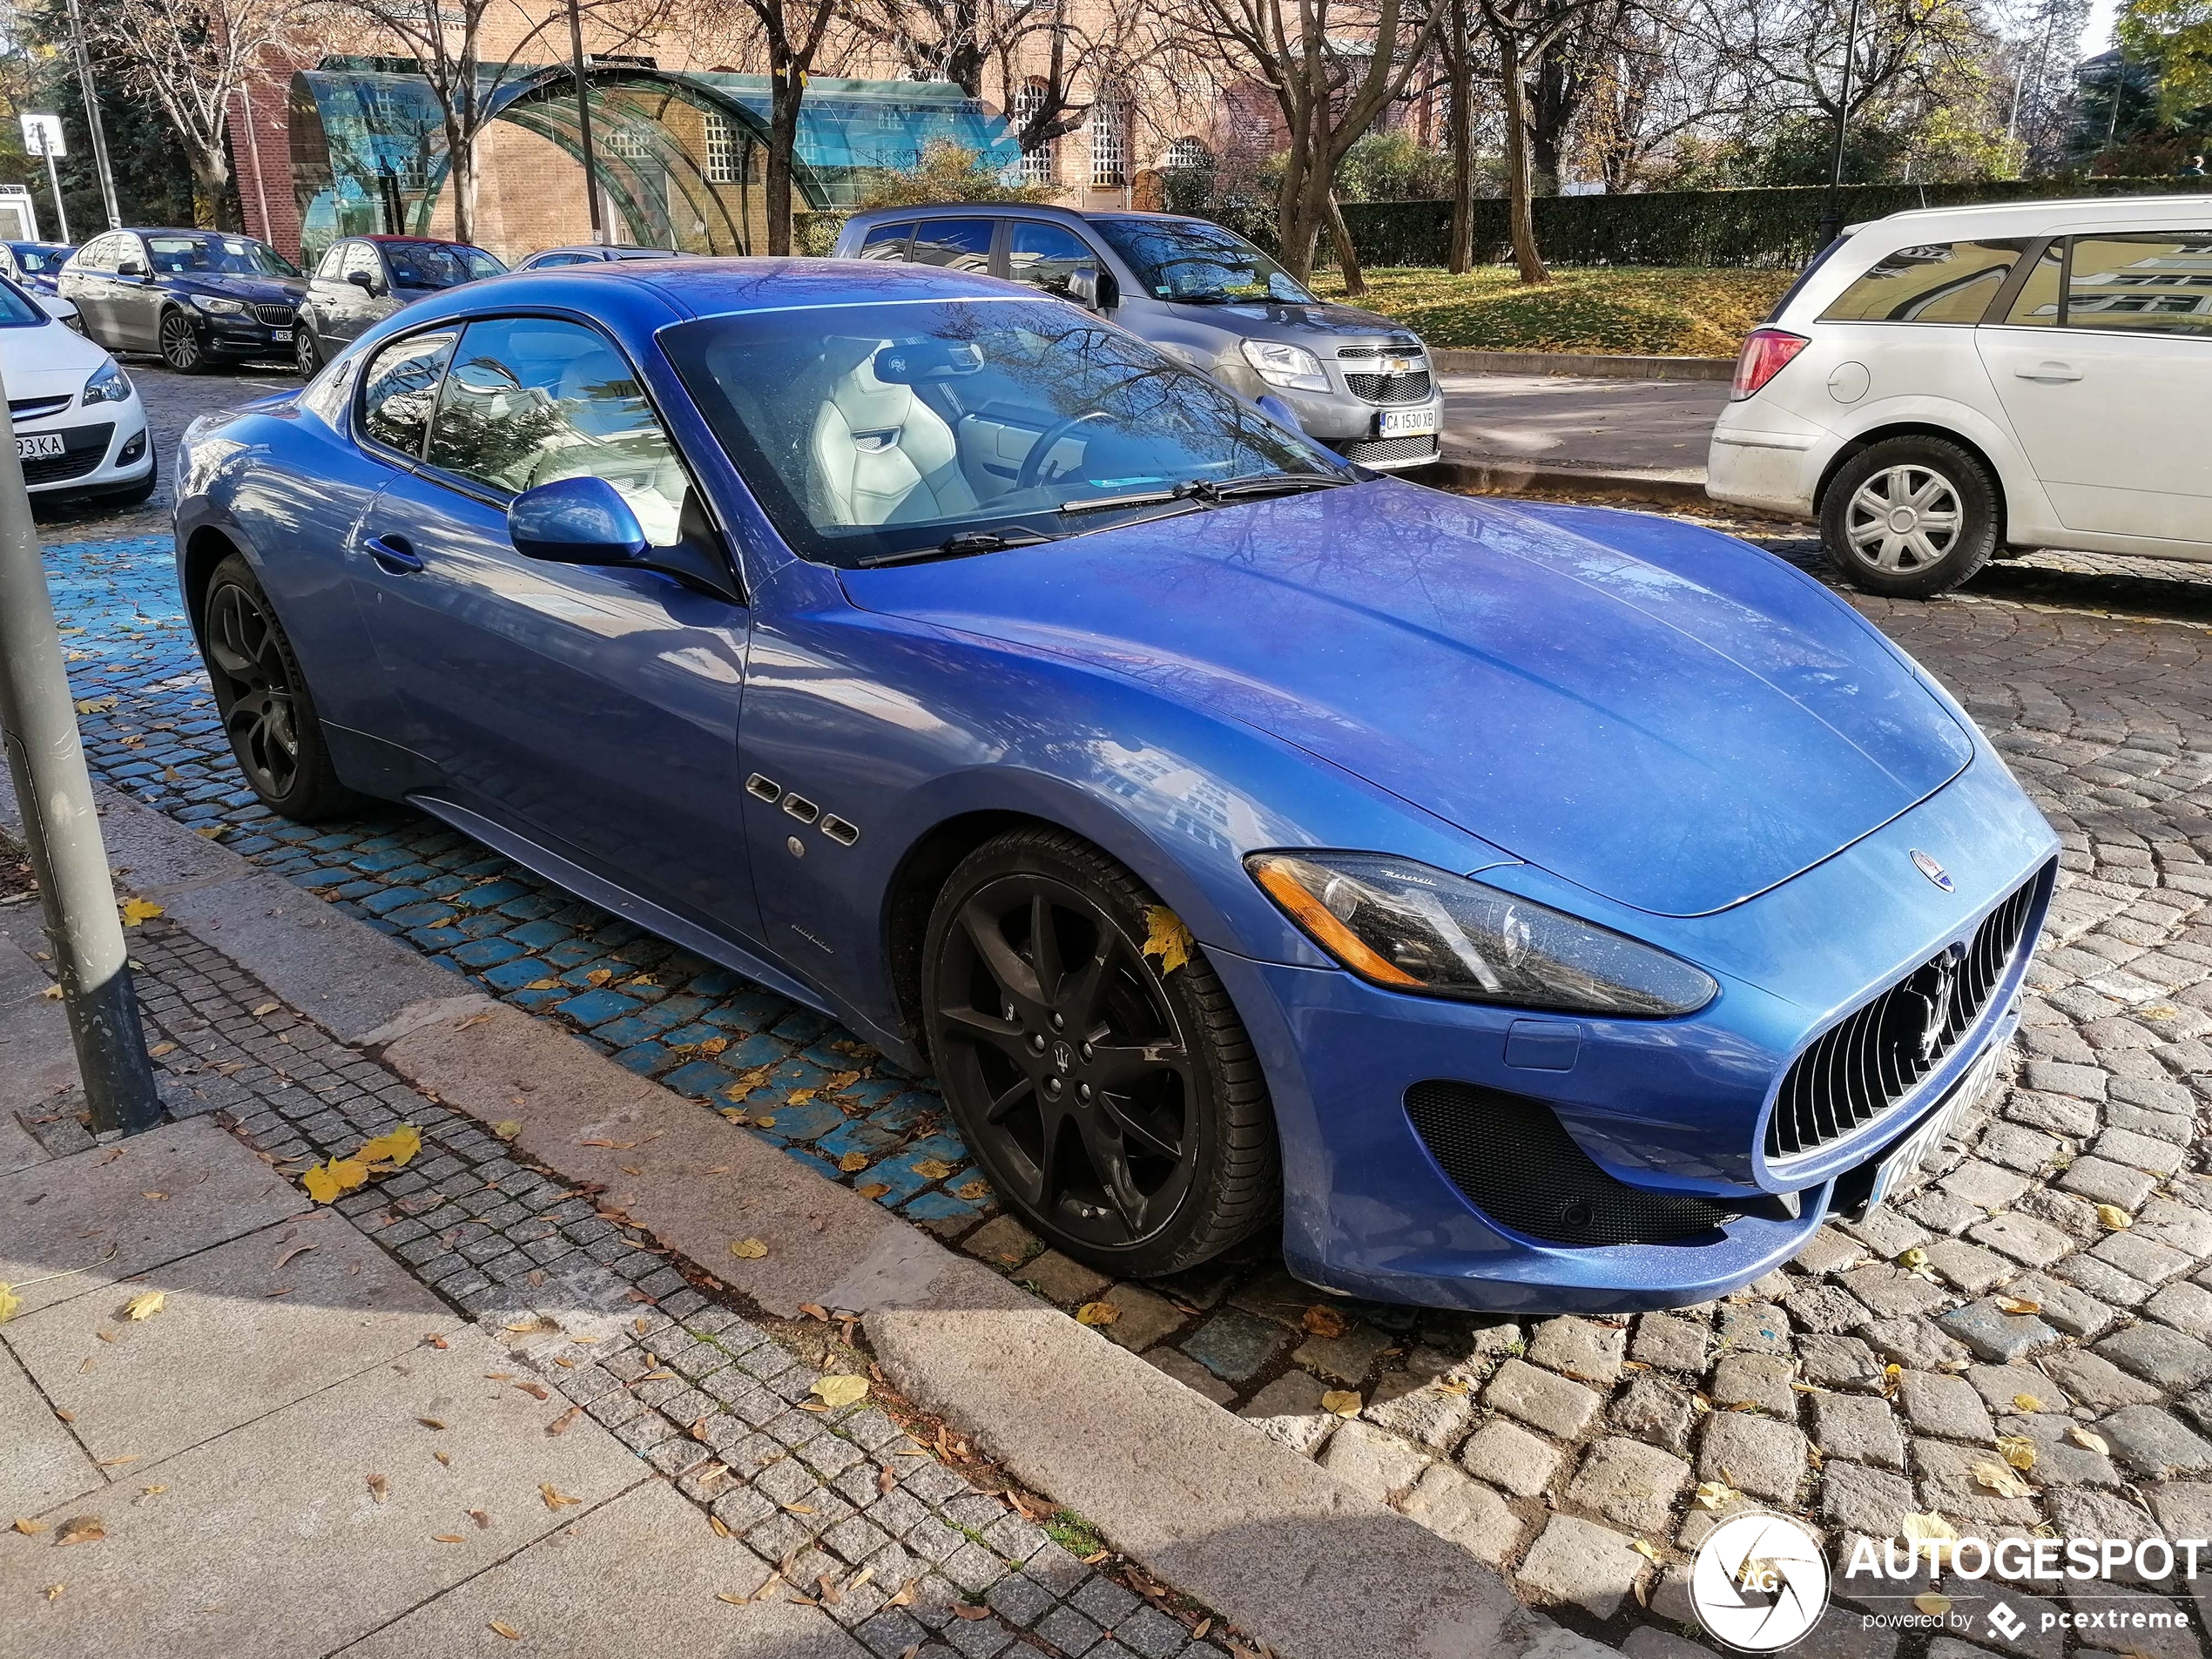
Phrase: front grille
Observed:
(1410, 387)
(1510, 1157)
(276, 316)
(1420, 446)
(1869, 1062)
(33, 409)
(82, 449)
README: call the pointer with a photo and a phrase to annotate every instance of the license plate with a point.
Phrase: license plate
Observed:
(283, 336)
(39, 446)
(1902, 1168)
(1404, 423)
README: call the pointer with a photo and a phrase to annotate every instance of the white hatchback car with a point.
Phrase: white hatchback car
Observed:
(1942, 387)
(80, 429)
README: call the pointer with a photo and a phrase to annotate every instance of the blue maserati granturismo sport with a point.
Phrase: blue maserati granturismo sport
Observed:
(1535, 907)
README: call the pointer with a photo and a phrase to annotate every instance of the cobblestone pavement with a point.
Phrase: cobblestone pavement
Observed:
(1851, 1387)
(838, 1505)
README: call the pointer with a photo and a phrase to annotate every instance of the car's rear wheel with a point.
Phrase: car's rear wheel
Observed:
(1118, 1108)
(305, 357)
(180, 342)
(263, 699)
(1910, 517)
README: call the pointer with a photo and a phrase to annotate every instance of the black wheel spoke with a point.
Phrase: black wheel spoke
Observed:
(253, 691)
(1005, 1036)
(1000, 960)
(1023, 1088)
(1109, 1162)
(1044, 949)
(1118, 1071)
(1133, 1127)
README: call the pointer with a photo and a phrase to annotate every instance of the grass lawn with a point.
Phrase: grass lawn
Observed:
(1633, 310)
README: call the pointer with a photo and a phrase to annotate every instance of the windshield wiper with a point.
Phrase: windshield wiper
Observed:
(1263, 483)
(960, 546)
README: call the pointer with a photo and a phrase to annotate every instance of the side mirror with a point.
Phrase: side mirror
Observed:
(576, 521)
(129, 268)
(1082, 287)
(363, 280)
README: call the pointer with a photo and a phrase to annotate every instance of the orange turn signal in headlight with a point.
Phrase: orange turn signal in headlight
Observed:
(1317, 919)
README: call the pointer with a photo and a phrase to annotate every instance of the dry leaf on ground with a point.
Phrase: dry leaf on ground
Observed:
(2114, 1216)
(853, 1163)
(137, 910)
(2027, 1403)
(2088, 1438)
(1096, 1313)
(80, 1529)
(2017, 1450)
(507, 1129)
(396, 1148)
(1341, 1401)
(1933, 1603)
(835, 1391)
(378, 1488)
(2001, 1478)
(555, 1498)
(1716, 1494)
(28, 1527)
(749, 1250)
(1326, 1322)
(933, 1169)
(145, 1304)
(500, 1627)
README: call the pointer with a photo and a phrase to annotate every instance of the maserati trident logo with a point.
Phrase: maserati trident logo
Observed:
(1936, 1016)
(1928, 867)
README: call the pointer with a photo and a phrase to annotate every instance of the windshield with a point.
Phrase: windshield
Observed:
(1193, 263)
(224, 255)
(18, 309)
(871, 431)
(432, 265)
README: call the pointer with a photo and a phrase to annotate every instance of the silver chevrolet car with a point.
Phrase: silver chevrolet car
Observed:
(1358, 382)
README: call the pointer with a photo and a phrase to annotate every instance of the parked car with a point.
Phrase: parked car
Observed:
(589, 254)
(35, 265)
(1542, 907)
(198, 298)
(1359, 382)
(1947, 387)
(79, 428)
(363, 279)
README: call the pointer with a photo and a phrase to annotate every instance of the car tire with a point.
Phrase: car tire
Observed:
(177, 336)
(304, 357)
(1910, 517)
(1169, 1163)
(262, 698)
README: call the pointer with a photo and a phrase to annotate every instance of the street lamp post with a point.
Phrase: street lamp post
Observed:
(1831, 222)
(92, 117)
(583, 123)
(62, 827)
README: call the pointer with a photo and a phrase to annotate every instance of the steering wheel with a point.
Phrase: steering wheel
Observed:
(1033, 464)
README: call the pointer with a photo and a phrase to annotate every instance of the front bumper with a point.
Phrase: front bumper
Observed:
(1671, 1109)
(106, 447)
(244, 338)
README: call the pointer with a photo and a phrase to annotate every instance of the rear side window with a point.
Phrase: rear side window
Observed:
(955, 244)
(1948, 282)
(333, 262)
(886, 242)
(399, 387)
(2154, 283)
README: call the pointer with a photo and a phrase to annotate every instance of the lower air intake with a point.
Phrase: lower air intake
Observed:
(1511, 1158)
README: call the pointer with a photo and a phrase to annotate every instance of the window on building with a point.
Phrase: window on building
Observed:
(1036, 166)
(623, 140)
(1936, 283)
(1187, 155)
(725, 151)
(1109, 139)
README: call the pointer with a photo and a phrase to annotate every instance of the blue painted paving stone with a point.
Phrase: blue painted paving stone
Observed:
(697, 1078)
(431, 940)
(803, 1122)
(819, 1165)
(538, 935)
(427, 912)
(513, 976)
(1234, 1345)
(391, 899)
(943, 1206)
(597, 1007)
(862, 1135)
(644, 1058)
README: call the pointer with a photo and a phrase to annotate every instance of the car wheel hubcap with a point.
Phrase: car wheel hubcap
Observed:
(1062, 1044)
(177, 342)
(253, 691)
(1904, 518)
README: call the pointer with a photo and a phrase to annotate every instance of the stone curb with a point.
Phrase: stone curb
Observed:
(1223, 1512)
(1586, 365)
(1523, 478)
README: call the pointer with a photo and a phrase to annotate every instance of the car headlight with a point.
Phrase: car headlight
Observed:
(109, 384)
(1414, 928)
(1289, 365)
(218, 307)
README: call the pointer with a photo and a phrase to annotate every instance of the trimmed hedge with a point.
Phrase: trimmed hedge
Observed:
(1770, 229)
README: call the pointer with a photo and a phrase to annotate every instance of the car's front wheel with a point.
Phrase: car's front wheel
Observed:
(305, 357)
(1093, 1060)
(1910, 517)
(263, 699)
(180, 342)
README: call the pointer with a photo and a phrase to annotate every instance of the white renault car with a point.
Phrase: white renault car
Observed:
(1944, 386)
(79, 428)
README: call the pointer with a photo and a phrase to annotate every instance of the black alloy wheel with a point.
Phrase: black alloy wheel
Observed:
(179, 340)
(1118, 1110)
(263, 699)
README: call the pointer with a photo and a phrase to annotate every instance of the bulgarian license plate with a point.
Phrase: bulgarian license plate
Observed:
(283, 336)
(1901, 1170)
(1404, 423)
(39, 446)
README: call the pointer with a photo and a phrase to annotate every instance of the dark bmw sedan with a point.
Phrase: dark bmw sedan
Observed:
(197, 298)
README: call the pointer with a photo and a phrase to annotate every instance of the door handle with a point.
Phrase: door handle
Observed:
(394, 554)
(2048, 374)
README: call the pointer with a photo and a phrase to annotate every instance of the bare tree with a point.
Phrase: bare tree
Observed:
(793, 34)
(1331, 65)
(189, 57)
(1522, 31)
(469, 77)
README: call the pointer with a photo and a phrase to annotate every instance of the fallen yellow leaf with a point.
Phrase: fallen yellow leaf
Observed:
(1933, 1531)
(397, 1148)
(1167, 938)
(837, 1391)
(1716, 1494)
(1644, 1549)
(500, 1627)
(29, 1529)
(2027, 1403)
(507, 1129)
(2017, 1450)
(145, 1304)
(2088, 1438)
(1341, 1401)
(2001, 1478)
(2114, 1216)
(137, 910)
(326, 1181)
(749, 1250)
(853, 1163)
(555, 1498)
(873, 1190)
(80, 1529)
(933, 1169)
(1326, 1322)
(10, 1303)
(2018, 1304)
(1096, 1313)
(378, 1488)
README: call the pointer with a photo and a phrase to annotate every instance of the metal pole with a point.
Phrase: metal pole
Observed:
(1831, 222)
(54, 178)
(583, 124)
(68, 860)
(2118, 86)
(92, 118)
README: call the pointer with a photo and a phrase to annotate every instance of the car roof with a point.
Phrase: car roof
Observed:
(421, 241)
(187, 230)
(1027, 210)
(710, 286)
(2030, 216)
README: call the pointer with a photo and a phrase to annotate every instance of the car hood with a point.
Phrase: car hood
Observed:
(1655, 712)
(46, 360)
(1272, 320)
(260, 291)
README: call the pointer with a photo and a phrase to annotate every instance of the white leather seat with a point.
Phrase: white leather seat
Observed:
(882, 455)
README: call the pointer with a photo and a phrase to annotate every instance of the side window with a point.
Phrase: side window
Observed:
(1951, 282)
(2036, 305)
(552, 259)
(886, 242)
(530, 401)
(2152, 283)
(361, 258)
(1046, 256)
(333, 262)
(955, 244)
(399, 386)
